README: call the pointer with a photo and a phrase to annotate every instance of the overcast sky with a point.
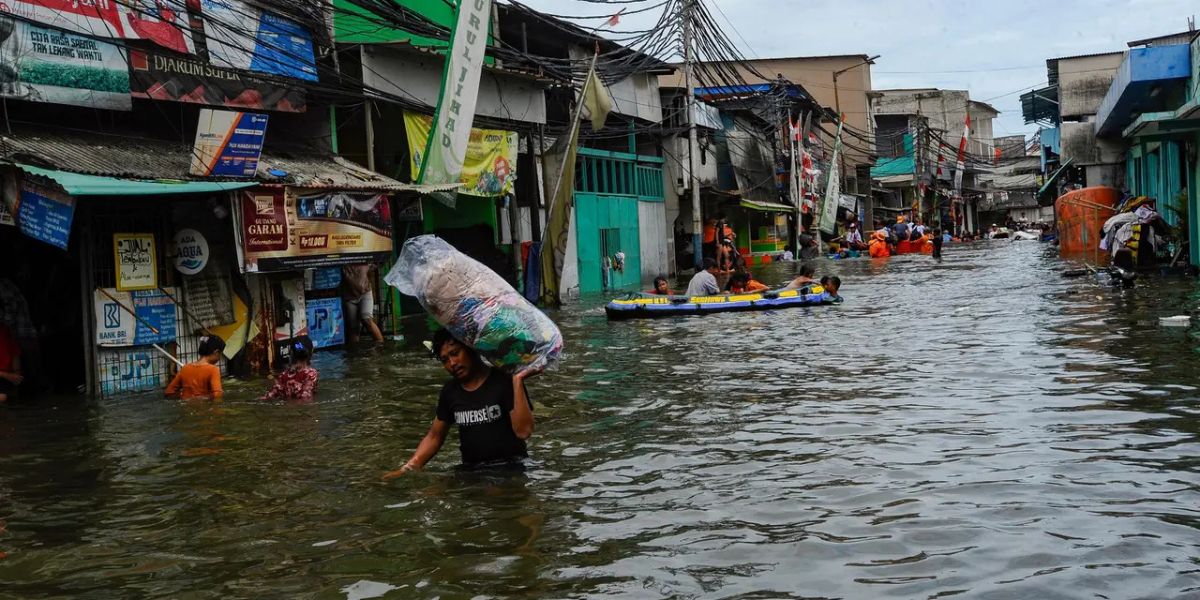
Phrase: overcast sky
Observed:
(994, 49)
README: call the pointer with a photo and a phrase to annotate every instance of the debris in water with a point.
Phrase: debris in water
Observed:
(363, 589)
(1175, 321)
(324, 543)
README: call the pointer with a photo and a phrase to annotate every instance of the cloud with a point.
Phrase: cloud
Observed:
(991, 49)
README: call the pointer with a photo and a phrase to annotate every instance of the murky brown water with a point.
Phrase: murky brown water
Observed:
(980, 427)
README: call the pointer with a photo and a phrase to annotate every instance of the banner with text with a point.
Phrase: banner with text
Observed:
(47, 65)
(447, 146)
(45, 213)
(161, 77)
(228, 144)
(282, 232)
(240, 36)
(164, 22)
(489, 168)
(152, 321)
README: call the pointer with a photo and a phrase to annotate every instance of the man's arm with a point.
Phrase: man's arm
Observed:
(176, 385)
(426, 450)
(14, 376)
(521, 415)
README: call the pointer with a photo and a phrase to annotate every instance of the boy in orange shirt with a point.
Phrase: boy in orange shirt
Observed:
(201, 379)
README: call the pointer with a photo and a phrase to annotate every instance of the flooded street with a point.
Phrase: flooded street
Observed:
(981, 427)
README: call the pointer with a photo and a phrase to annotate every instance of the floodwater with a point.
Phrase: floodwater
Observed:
(980, 427)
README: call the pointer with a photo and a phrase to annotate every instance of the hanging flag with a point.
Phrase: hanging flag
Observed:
(962, 156)
(827, 217)
(997, 153)
(941, 159)
(596, 100)
(447, 148)
(558, 225)
(613, 20)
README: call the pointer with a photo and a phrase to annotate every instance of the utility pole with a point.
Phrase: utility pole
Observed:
(693, 141)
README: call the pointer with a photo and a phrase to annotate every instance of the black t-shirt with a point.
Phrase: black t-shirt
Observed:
(485, 432)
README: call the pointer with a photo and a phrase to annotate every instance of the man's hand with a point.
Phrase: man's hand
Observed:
(390, 475)
(527, 373)
(13, 378)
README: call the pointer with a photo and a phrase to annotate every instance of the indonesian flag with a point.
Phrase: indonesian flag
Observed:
(962, 156)
(941, 160)
(794, 129)
(613, 20)
(997, 154)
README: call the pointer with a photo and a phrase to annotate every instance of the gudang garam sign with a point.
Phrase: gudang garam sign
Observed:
(295, 230)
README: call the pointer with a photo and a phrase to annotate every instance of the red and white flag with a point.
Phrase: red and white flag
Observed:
(613, 20)
(962, 156)
(941, 160)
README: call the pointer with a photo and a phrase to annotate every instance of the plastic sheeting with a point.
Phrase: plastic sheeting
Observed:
(476, 305)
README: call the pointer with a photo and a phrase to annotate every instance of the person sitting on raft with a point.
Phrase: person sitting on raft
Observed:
(742, 283)
(854, 240)
(491, 408)
(661, 287)
(704, 283)
(803, 279)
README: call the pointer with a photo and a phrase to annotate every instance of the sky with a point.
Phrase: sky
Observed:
(996, 50)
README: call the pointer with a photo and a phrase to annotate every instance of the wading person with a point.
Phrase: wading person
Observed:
(803, 279)
(704, 283)
(201, 379)
(298, 382)
(10, 364)
(358, 302)
(491, 409)
(661, 286)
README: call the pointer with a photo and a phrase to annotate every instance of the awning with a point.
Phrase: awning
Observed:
(77, 184)
(767, 206)
(1053, 178)
(168, 163)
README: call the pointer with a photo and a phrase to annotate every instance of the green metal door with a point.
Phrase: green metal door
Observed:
(606, 224)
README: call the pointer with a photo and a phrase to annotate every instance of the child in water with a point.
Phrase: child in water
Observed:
(298, 382)
(201, 379)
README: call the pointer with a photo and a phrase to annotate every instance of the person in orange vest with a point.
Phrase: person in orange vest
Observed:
(879, 245)
(710, 239)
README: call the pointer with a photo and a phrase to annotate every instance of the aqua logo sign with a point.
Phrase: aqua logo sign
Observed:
(191, 251)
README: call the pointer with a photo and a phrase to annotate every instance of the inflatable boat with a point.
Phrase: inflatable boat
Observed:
(642, 306)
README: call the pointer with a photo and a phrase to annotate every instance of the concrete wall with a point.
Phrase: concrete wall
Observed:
(946, 112)
(1078, 142)
(1083, 82)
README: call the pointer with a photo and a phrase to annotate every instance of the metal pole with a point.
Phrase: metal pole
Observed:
(693, 142)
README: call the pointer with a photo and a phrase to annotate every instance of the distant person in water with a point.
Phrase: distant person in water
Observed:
(661, 286)
(832, 283)
(704, 282)
(10, 364)
(298, 382)
(200, 379)
(742, 283)
(804, 278)
(490, 407)
(938, 240)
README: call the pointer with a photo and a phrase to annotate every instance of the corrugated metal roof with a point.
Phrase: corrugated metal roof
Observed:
(147, 159)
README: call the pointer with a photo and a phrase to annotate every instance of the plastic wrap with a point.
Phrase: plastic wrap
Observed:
(476, 305)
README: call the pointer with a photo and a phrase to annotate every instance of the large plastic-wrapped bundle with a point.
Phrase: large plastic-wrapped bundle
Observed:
(476, 305)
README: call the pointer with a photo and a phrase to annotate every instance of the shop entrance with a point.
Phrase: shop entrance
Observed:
(41, 301)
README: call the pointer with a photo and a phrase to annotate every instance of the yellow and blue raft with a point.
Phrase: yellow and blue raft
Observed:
(643, 306)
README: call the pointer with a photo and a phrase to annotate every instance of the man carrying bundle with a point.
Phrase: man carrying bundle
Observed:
(490, 407)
